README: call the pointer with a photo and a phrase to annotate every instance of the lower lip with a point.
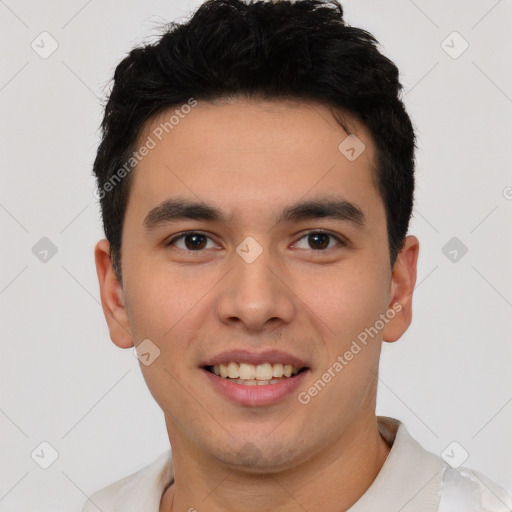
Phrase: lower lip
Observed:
(257, 395)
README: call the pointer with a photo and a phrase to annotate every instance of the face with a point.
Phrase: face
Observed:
(286, 263)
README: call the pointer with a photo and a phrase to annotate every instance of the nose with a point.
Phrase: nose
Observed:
(256, 295)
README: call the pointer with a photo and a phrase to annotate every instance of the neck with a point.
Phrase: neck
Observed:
(340, 474)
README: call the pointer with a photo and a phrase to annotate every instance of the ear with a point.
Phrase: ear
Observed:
(112, 297)
(403, 281)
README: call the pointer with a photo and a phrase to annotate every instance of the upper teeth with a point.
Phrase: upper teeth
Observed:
(246, 371)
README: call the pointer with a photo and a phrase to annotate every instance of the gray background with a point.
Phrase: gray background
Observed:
(62, 380)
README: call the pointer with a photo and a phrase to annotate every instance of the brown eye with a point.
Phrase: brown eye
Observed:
(320, 241)
(191, 241)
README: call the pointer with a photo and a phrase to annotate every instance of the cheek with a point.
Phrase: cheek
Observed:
(350, 304)
(347, 301)
(164, 310)
(160, 300)
(169, 308)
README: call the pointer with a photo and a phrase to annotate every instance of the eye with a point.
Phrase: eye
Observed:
(196, 241)
(319, 240)
(192, 241)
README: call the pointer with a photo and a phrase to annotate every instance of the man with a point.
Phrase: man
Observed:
(256, 177)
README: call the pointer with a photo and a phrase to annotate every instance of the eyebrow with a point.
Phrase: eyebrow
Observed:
(182, 209)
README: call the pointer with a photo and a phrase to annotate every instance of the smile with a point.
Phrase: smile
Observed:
(255, 385)
(254, 375)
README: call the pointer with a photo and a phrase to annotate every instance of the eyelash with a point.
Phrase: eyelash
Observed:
(340, 240)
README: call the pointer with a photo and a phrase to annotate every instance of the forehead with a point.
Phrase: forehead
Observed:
(249, 157)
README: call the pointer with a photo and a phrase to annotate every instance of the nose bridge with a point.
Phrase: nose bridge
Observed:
(254, 291)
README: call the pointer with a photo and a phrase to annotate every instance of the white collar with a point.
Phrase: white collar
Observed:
(410, 479)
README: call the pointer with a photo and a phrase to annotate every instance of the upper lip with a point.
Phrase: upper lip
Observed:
(245, 356)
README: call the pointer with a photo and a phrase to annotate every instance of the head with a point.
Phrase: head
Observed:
(284, 126)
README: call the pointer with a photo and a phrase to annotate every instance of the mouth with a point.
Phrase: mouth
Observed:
(255, 379)
(247, 374)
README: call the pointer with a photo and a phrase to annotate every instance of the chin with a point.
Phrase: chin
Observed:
(261, 456)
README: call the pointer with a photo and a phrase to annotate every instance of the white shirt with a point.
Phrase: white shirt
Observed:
(411, 480)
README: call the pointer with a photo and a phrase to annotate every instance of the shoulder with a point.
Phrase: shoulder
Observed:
(142, 488)
(467, 489)
(452, 489)
(106, 498)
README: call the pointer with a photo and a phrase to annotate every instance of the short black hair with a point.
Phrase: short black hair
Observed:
(285, 49)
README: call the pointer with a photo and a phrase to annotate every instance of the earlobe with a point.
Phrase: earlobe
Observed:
(403, 281)
(112, 297)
